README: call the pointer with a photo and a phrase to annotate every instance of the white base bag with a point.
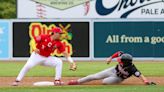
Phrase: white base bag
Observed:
(43, 83)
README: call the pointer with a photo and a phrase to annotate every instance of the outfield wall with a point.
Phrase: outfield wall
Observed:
(97, 28)
(76, 46)
(103, 9)
(91, 39)
(140, 38)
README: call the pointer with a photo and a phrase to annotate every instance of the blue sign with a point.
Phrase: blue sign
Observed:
(4, 39)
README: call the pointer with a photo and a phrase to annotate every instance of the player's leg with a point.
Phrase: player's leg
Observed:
(97, 76)
(112, 80)
(34, 60)
(57, 64)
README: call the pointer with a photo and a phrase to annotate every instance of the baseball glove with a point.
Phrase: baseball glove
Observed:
(151, 83)
(73, 66)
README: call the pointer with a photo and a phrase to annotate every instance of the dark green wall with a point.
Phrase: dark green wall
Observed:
(140, 48)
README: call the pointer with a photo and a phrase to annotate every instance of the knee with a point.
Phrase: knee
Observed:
(105, 82)
(111, 81)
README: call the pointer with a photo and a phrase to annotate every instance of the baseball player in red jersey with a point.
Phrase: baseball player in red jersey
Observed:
(45, 45)
(113, 75)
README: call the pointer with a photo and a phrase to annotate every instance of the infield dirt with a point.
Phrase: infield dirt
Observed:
(28, 81)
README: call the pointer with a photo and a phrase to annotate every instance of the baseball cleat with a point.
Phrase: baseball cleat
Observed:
(73, 82)
(58, 83)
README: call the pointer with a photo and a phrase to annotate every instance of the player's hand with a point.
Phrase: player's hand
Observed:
(36, 51)
(109, 60)
(151, 83)
(73, 66)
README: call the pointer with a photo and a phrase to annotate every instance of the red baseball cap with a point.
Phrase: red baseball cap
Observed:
(56, 30)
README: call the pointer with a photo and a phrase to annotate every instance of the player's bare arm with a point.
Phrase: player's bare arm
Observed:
(115, 55)
(145, 80)
(69, 59)
(108, 60)
(37, 39)
(36, 50)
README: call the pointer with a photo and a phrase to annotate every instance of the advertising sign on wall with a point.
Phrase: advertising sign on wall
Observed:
(90, 8)
(141, 39)
(77, 34)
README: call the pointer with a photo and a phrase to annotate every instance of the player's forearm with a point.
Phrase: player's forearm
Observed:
(37, 39)
(37, 50)
(109, 59)
(144, 79)
(68, 57)
(72, 63)
(115, 55)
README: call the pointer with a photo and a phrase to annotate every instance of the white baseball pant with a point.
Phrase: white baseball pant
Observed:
(36, 59)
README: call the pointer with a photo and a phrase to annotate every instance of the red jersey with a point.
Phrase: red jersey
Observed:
(47, 46)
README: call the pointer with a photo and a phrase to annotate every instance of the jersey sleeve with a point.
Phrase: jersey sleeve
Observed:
(136, 72)
(61, 47)
(117, 54)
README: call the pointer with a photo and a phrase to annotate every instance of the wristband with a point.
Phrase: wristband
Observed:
(145, 81)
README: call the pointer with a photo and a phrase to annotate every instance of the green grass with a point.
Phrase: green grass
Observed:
(102, 88)
(84, 68)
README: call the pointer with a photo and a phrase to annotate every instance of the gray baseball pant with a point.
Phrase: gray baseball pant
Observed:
(108, 75)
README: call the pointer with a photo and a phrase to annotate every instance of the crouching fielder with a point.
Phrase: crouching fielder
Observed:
(123, 70)
(45, 45)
